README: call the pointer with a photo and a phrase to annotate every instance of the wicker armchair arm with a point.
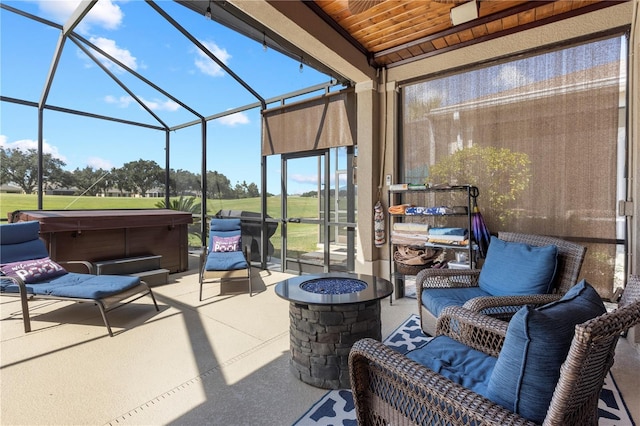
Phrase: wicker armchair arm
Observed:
(497, 305)
(478, 331)
(389, 388)
(446, 278)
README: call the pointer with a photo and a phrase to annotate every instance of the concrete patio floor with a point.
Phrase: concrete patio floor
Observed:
(222, 361)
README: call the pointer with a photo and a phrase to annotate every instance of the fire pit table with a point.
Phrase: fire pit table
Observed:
(329, 313)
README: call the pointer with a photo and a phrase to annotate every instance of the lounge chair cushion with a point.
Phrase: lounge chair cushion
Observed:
(536, 345)
(512, 268)
(33, 271)
(225, 225)
(21, 241)
(20, 232)
(457, 362)
(80, 286)
(436, 299)
(225, 261)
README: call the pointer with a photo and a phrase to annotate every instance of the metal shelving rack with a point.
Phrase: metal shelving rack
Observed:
(427, 196)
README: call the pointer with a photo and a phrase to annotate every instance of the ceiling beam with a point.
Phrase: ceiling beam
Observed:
(484, 20)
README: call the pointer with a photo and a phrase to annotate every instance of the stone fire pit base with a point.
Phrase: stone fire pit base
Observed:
(322, 336)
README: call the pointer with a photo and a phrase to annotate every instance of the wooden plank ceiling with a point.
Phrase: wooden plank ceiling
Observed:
(393, 32)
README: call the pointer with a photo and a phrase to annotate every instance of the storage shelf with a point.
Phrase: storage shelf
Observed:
(428, 215)
(398, 197)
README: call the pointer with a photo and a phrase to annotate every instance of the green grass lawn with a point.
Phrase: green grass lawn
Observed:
(304, 238)
(298, 206)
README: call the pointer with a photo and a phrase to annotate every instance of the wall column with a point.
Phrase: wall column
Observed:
(367, 174)
(389, 149)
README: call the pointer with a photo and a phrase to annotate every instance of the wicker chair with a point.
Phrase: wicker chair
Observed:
(570, 258)
(389, 388)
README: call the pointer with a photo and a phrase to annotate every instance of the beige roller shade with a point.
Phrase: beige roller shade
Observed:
(543, 138)
(324, 122)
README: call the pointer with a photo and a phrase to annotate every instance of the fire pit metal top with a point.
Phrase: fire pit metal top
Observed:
(333, 288)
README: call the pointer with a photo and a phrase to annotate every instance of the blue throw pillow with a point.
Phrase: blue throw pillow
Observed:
(516, 268)
(536, 345)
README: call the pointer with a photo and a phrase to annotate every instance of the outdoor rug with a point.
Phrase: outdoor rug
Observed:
(336, 407)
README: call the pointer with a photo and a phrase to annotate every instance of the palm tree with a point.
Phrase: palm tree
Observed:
(186, 204)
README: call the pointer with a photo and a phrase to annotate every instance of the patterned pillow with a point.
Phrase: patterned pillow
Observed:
(222, 244)
(33, 271)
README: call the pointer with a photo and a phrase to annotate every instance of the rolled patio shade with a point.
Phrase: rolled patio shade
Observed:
(324, 122)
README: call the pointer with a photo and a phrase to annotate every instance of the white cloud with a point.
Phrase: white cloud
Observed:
(306, 179)
(206, 65)
(510, 76)
(110, 47)
(122, 101)
(431, 97)
(157, 105)
(154, 105)
(26, 144)
(234, 119)
(99, 163)
(104, 14)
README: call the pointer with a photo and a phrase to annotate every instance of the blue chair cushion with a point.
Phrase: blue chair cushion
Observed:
(457, 362)
(225, 225)
(536, 345)
(28, 250)
(516, 269)
(21, 241)
(225, 261)
(80, 286)
(436, 299)
(15, 233)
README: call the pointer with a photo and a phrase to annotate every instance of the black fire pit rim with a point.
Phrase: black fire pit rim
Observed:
(291, 289)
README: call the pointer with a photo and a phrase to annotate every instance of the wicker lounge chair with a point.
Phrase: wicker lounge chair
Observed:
(225, 257)
(569, 262)
(28, 273)
(390, 388)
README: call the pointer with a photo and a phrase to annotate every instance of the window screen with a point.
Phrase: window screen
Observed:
(543, 138)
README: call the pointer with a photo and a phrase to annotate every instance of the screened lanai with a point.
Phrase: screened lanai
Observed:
(383, 62)
(180, 112)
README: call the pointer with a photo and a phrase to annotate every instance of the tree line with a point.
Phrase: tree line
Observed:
(138, 177)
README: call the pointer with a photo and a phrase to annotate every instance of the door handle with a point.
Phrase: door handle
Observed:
(294, 220)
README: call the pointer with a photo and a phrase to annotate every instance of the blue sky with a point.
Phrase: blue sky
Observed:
(138, 36)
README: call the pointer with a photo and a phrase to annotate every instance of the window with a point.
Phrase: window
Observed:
(544, 139)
